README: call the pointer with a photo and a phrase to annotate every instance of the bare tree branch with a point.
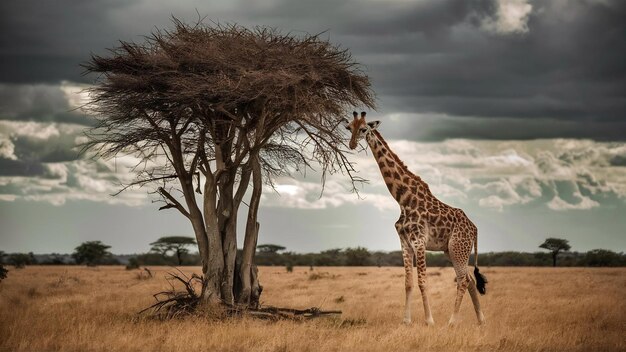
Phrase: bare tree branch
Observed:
(174, 203)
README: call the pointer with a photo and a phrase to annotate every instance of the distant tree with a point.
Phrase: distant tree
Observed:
(270, 248)
(91, 253)
(555, 245)
(437, 260)
(331, 257)
(133, 263)
(3, 272)
(176, 244)
(20, 260)
(358, 256)
(603, 257)
(56, 259)
(152, 258)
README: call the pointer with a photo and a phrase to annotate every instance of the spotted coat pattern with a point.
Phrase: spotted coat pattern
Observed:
(425, 223)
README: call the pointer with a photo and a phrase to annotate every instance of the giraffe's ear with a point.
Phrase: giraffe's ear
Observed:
(373, 124)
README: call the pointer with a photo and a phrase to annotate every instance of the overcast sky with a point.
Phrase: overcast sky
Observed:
(514, 110)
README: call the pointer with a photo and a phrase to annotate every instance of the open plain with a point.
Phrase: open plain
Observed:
(527, 309)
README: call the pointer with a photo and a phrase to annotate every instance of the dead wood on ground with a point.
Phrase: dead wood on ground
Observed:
(175, 303)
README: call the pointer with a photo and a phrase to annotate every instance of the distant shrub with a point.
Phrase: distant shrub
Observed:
(358, 256)
(152, 258)
(3, 272)
(316, 276)
(133, 263)
(32, 293)
(145, 274)
(319, 276)
(20, 260)
(289, 267)
(93, 253)
(603, 257)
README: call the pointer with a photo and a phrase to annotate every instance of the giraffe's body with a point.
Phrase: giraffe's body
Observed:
(425, 223)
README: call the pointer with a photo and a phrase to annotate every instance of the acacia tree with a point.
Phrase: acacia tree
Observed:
(210, 109)
(91, 253)
(177, 244)
(270, 248)
(3, 270)
(555, 245)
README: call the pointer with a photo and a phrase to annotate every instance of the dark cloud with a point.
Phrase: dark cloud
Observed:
(9, 167)
(429, 127)
(46, 41)
(38, 102)
(376, 19)
(570, 65)
(50, 150)
(26, 147)
(618, 160)
(565, 63)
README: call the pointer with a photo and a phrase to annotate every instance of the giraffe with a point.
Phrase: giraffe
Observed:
(425, 223)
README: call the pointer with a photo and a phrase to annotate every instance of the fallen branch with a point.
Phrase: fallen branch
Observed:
(174, 304)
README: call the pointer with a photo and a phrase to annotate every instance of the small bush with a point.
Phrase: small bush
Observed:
(3, 272)
(346, 323)
(133, 263)
(32, 293)
(145, 274)
(319, 276)
(289, 267)
(20, 260)
(65, 280)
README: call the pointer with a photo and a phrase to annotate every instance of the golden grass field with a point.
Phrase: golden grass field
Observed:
(527, 309)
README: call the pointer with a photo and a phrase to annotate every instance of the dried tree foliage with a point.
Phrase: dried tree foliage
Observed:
(232, 82)
(214, 108)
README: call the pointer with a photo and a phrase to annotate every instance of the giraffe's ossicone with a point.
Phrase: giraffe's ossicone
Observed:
(425, 223)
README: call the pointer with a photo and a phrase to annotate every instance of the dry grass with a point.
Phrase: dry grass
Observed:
(527, 309)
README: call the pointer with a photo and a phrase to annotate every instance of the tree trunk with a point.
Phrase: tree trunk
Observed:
(250, 288)
(554, 254)
(227, 218)
(213, 258)
(178, 255)
(225, 280)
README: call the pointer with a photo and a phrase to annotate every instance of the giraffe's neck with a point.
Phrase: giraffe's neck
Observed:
(403, 185)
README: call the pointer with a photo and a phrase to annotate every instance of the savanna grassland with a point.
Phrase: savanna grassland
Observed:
(527, 309)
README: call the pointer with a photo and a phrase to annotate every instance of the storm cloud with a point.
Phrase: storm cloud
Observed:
(538, 61)
(42, 103)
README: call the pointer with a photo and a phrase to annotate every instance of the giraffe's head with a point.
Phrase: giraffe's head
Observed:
(359, 128)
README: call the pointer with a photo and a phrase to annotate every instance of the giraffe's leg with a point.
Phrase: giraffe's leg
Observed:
(420, 253)
(407, 257)
(474, 294)
(459, 254)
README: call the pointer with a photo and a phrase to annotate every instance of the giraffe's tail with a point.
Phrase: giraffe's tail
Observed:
(481, 280)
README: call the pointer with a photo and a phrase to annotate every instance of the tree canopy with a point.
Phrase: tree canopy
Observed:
(270, 248)
(555, 245)
(177, 244)
(234, 90)
(91, 253)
